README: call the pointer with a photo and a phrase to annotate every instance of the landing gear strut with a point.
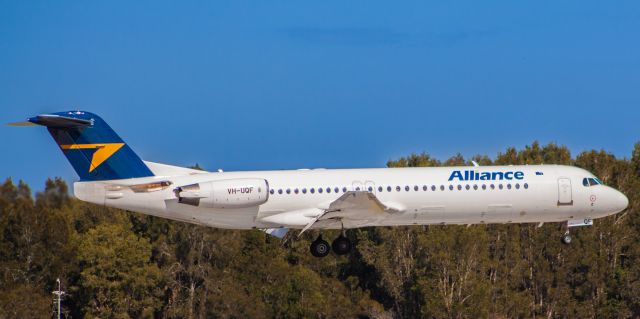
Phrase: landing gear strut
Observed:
(319, 247)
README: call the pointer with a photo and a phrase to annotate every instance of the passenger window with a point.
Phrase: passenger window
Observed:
(509, 186)
(388, 188)
(320, 190)
(312, 190)
(442, 187)
(493, 186)
(370, 189)
(475, 187)
(517, 186)
(380, 189)
(467, 187)
(500, 186)
(397, 188)
(280, 191)
(296, 191)
(336, 190)
(484, 186)
(526, 186)
(406, 188)
(288, 191)
(450, 187)
(459, 187)
(415, 188)
(344, 189)
(271, 191)
(433, 187)
(328, 190)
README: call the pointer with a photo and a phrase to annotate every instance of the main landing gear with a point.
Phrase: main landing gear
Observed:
(320, 247)
(340, 246)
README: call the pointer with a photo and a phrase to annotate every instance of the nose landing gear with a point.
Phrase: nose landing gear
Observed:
(566, 238)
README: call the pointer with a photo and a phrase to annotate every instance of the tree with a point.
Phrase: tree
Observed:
(117, 277)
(121, 264)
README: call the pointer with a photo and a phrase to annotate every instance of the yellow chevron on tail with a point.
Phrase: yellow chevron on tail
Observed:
(103, 152)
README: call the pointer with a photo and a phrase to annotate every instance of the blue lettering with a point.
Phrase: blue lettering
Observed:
(469, 175)
(455, 174)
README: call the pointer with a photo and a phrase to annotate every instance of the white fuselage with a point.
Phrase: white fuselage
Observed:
(541, 193)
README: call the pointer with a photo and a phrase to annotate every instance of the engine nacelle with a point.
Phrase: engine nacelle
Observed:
(226, 193)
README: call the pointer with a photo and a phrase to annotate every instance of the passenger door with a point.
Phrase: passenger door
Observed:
(565, 196)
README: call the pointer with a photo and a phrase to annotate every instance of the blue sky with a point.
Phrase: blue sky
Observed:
(291, 84)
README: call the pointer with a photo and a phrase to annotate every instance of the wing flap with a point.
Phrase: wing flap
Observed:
(359, 205)
(355, 206)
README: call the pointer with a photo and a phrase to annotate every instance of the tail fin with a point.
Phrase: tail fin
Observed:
(94, 150)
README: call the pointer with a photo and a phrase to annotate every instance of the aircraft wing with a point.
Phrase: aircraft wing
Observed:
(355, 205)
(358, 204)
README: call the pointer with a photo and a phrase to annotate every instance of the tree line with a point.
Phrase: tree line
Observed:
(118, 264)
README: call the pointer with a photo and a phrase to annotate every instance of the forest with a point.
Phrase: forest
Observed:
(119, 264)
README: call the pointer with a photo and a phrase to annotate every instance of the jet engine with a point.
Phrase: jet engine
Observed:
(226, 193)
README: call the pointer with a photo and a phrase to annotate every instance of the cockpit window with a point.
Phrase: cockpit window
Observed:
(588, 181)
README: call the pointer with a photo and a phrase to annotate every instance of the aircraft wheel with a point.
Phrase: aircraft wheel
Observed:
(341, 245)
(566, 239)
(319, 247)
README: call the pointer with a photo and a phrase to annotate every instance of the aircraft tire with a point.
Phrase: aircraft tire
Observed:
(320, 247)
(341, 245)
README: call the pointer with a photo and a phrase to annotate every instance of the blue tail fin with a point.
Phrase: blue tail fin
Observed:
(94, 150)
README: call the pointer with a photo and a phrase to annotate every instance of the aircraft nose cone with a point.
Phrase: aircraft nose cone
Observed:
(621, 202)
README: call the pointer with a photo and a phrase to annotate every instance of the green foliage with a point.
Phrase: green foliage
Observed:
(117, 278)
(128, 265)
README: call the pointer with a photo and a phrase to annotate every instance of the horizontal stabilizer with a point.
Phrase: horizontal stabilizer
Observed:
(25, 123)
(59, 121)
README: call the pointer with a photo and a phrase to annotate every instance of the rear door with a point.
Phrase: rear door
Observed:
(565, 196)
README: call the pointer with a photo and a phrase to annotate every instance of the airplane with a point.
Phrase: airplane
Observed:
(111, 174)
